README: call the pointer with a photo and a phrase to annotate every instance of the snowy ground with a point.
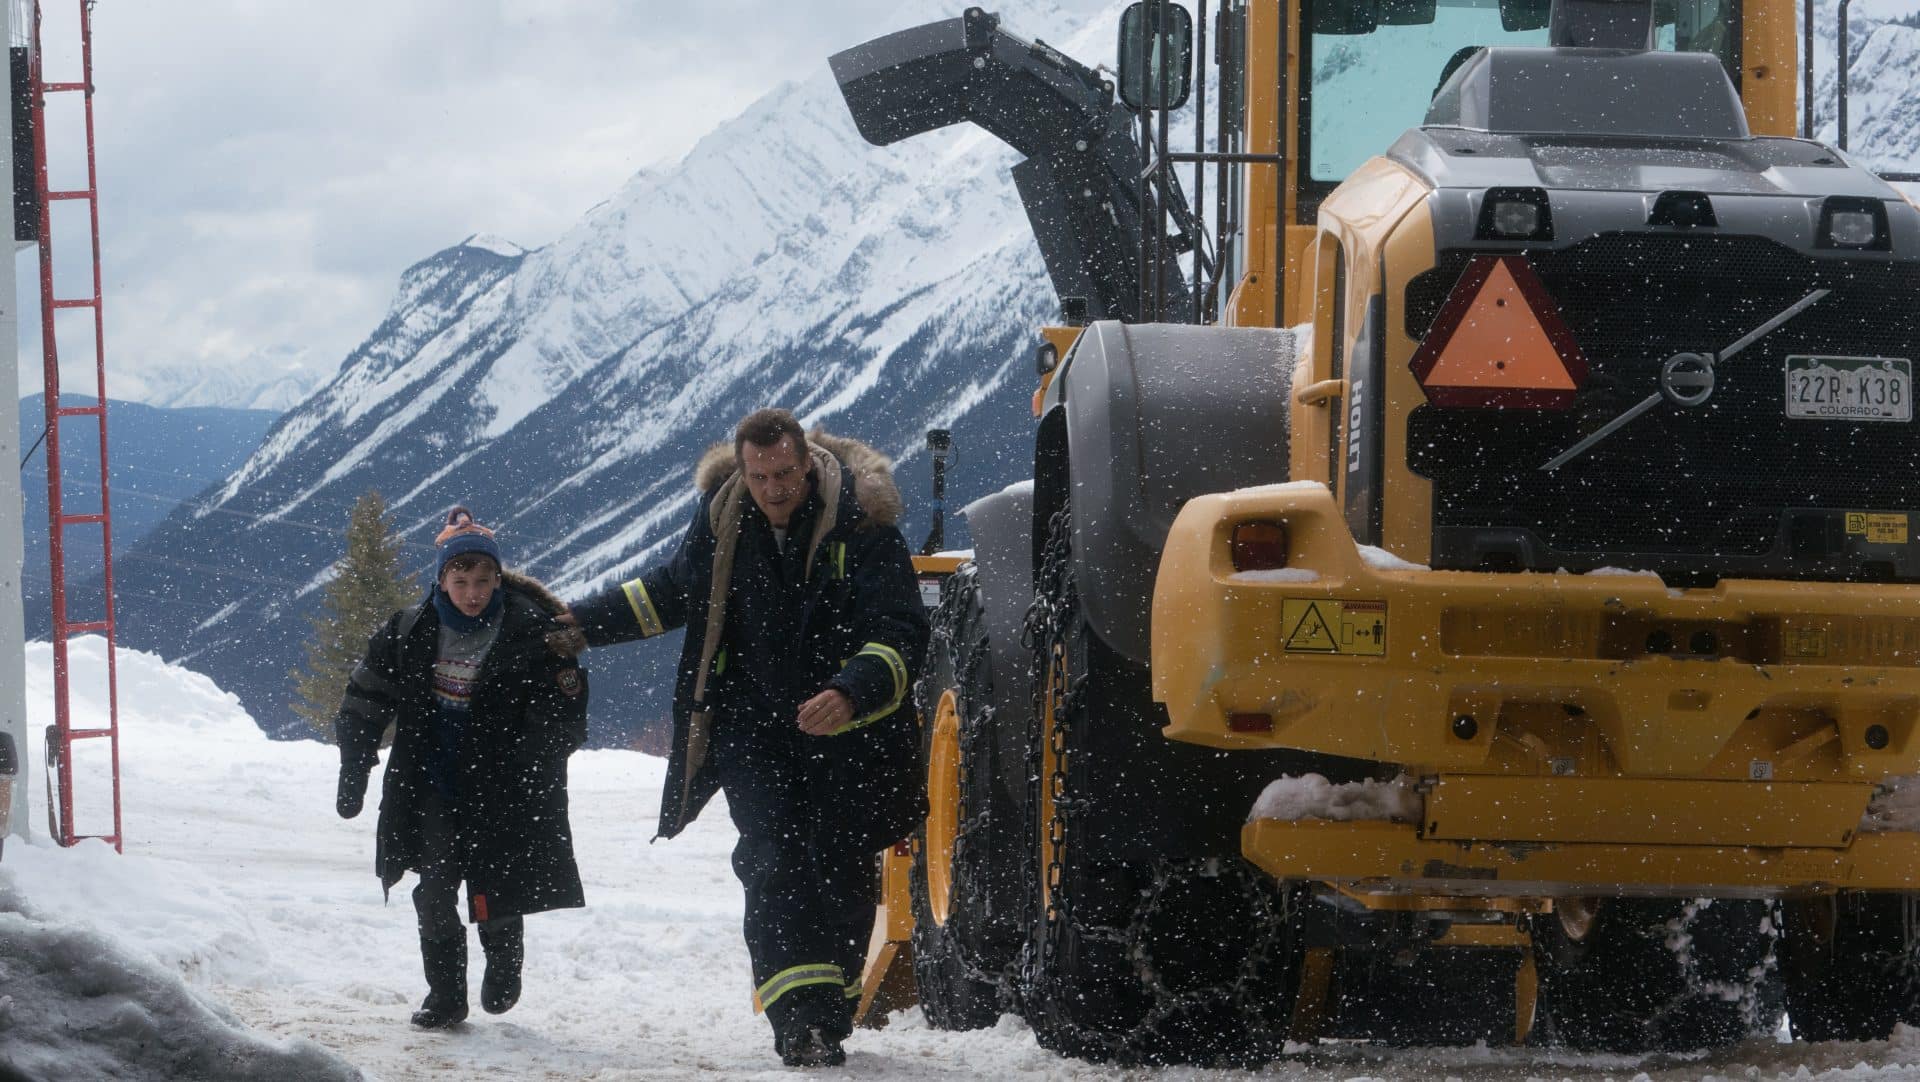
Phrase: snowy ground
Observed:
(241, 892)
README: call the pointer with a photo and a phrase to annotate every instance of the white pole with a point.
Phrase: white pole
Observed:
(13, 662)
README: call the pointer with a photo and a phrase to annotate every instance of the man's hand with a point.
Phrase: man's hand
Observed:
(826, 713)
(352, 792)
(566, 616)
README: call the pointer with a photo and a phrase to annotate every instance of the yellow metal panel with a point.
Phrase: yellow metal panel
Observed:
(937, 565)
(1482, 935)
(1218, 650)
(887, 984)
(1252, 301)
(1362, 214)
(1516, 809)
(1770, 66)
(1390, 856)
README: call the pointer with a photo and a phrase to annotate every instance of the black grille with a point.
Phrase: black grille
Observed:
(1709, 484)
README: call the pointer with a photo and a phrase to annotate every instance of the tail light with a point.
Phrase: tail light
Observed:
(1250, 723)
(1259, 546)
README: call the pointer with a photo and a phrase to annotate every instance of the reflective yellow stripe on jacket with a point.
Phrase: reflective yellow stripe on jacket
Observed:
(895, 666)
(643, 609)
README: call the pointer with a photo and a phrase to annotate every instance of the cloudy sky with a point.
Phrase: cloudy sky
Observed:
(269, 167)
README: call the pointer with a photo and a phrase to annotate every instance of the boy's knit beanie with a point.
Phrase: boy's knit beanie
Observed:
(461, 536)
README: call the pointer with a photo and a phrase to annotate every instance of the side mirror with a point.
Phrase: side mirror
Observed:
(1408, 12)
(1162, 33)
(1347, 16)
(1525, 14)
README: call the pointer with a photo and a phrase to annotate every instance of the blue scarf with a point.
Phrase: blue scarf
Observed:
(452, 617)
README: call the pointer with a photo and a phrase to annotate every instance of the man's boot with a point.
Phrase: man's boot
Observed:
(445, 961)
(809, 1045)
(506, 948)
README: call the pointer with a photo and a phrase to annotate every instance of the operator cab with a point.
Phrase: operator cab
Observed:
(1358, 97)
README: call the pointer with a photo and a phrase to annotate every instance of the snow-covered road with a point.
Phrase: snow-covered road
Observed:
(239, 878)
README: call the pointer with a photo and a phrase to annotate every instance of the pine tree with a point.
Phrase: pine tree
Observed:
(367, 587)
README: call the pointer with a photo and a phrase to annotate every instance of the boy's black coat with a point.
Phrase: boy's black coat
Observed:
(529, 714)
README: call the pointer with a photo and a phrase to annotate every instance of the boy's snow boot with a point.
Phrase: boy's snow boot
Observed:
(506, 947)
(445, 961)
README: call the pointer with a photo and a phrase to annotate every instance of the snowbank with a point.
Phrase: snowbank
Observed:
(1311, 796)
(1895, 806)
(77, 1004)
(242, 901)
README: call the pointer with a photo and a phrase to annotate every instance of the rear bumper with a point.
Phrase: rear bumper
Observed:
(1379, 857)
(1559, 752)
(1485, 646)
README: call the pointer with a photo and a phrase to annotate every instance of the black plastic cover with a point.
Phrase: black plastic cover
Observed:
(1080, 183)
(1599, 92)
(26, 188)
(1156, 415)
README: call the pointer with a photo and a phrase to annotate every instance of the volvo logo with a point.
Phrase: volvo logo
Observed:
(1687, 379)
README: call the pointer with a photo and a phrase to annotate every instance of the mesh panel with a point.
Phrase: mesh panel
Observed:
(1705, 481)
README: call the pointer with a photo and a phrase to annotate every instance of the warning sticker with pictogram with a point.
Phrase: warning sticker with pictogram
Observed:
(1878, 529)
(1334, 627)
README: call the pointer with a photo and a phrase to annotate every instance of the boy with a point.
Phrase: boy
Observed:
(484, 715)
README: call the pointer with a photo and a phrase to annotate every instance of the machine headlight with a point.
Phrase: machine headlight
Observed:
(1852, 229)
(1512, 218)
(1849, 222)
(1515, 214)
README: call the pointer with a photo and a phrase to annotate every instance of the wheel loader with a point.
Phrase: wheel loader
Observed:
(1466, 587)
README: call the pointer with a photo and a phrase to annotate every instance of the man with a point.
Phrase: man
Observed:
(804, 625)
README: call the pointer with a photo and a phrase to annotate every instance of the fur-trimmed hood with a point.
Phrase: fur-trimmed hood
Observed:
(567, 642)
(873, 483)
(535, 590)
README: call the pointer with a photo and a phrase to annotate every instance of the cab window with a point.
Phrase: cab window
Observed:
(1373, 65)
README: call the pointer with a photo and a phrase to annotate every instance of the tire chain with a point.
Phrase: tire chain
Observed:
(974, 656)
(1680, 933)
(1055, 602)
(1242, 997)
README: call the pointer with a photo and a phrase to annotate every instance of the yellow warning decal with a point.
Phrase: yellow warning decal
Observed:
(1878, 529)
(1805, 641)
(1334, 627)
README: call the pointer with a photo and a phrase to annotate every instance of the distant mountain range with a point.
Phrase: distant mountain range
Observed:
(564, 392)
(159, 460)
(254, 384)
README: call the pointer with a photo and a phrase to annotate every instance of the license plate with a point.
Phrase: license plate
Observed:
(1850, 388)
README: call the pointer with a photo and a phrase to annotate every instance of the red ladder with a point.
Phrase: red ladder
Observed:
(62, 734)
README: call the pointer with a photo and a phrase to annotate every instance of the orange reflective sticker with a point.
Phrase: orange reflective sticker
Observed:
(1499, 341)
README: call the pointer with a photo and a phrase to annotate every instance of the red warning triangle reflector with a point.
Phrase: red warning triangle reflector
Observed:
(1499, 341)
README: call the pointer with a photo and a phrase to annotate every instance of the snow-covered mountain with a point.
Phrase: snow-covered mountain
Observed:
(258, 383)
(1883, 99)
(564, 392)
(157, 460)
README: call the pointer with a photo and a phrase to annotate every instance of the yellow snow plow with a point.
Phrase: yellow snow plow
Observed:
(1465, 588)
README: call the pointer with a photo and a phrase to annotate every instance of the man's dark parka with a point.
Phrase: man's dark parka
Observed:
(861, 628)
(529, 714)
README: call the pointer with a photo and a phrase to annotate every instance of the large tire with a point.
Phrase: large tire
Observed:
(1154, 960)
(1641, 975)
(1852, 965)
(966, 907)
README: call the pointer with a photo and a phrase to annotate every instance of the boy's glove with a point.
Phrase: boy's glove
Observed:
(352, 792)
